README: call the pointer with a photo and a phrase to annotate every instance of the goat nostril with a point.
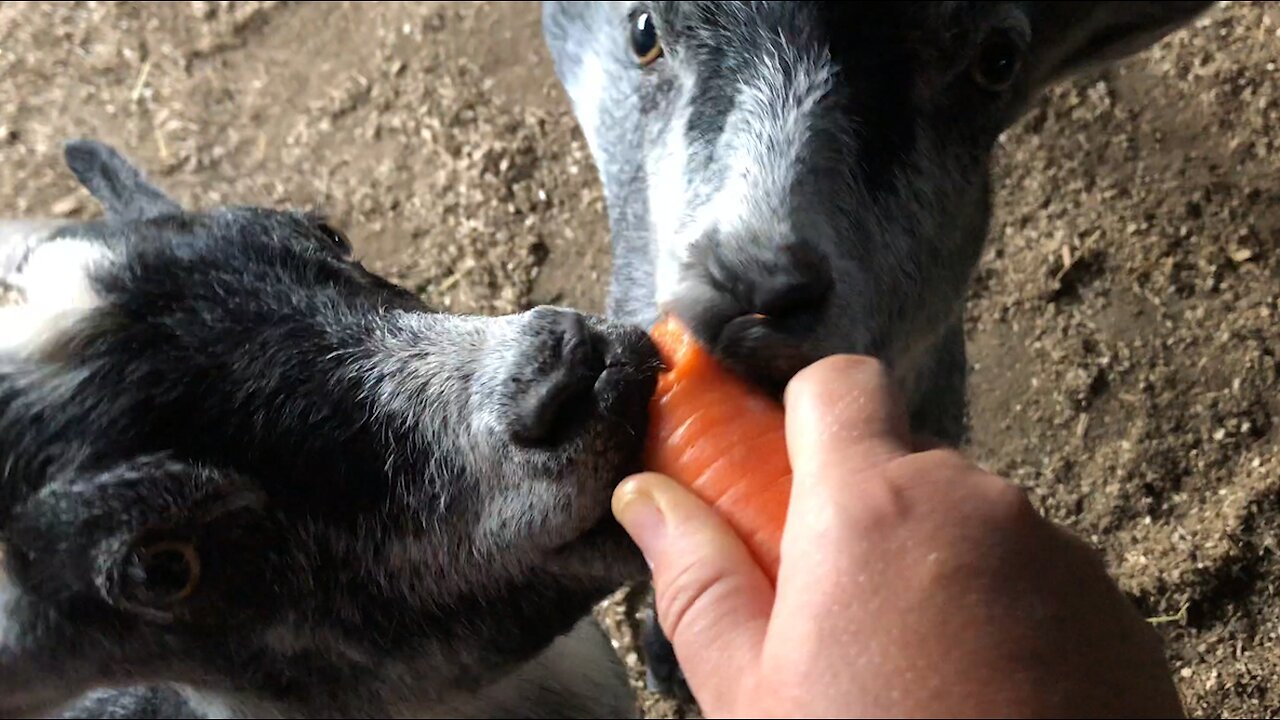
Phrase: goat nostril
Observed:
(560, 392)
(576, 343)
(802, 288)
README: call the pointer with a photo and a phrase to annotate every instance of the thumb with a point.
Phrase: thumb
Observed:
(713, 600)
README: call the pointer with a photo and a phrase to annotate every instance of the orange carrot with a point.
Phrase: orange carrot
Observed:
(722, 438)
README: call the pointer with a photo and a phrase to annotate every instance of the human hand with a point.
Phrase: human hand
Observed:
(912, 583)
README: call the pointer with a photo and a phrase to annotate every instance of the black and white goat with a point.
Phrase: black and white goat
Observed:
(242, 476)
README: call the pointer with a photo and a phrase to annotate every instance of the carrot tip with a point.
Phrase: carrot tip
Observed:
(717, 436)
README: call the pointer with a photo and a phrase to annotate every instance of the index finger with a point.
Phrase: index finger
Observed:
(843, 416)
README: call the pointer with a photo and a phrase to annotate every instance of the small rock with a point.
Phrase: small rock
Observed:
(1241, 254)
(67, 205)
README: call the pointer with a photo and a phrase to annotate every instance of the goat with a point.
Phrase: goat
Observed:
(798, 179)
(241, 475)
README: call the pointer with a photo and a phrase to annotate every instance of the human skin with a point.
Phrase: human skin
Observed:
(912, 583)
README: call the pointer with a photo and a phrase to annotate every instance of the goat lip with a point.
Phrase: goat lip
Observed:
(605, 537)
(604, 526)
(625, 380)
(630, 372)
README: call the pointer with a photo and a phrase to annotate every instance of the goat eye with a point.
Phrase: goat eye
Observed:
(170, 572)
(644, 39)
(335, 238)
(998, 61)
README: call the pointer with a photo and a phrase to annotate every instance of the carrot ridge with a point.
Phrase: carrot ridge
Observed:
(721, 438)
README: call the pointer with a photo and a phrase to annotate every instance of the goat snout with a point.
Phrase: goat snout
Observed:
(564, 360)
(728, 278)
(755, 303)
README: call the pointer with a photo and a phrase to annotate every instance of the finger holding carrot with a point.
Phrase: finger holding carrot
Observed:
(907, 583)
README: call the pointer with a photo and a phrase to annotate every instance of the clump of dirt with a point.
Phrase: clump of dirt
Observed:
(398, 136)
(1122, 324)
(1124, 331)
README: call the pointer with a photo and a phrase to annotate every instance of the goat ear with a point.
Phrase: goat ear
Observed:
(1070, 37)
(134, 535)
(122, 189)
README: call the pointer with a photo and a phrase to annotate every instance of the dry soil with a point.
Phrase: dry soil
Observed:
(1123, 323)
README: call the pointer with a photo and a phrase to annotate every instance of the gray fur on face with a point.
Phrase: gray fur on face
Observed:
(823, 165)
(242, 475)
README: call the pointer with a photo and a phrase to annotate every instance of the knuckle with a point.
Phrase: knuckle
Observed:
(1091, 555)
(945, 474)
(1007, 503)
(878, 509)
(944, 459)
(691, 596)
(925, 471)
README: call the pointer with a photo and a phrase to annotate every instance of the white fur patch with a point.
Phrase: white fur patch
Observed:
(764, 141)
(587, 91)
(763, 144)
(48, 292)
(669, 199)
(212, 705)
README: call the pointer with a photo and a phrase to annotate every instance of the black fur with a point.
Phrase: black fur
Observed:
(344, 465)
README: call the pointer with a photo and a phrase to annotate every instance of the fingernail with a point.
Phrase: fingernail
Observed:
(639, 514)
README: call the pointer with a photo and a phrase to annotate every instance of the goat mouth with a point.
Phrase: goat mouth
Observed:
(604, 381)
(604, 528)
(630, 378)
(604, 551)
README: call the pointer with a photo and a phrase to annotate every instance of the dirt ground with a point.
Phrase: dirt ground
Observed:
(1123, 322)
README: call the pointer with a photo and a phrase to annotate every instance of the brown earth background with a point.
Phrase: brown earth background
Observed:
(1123, 322)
